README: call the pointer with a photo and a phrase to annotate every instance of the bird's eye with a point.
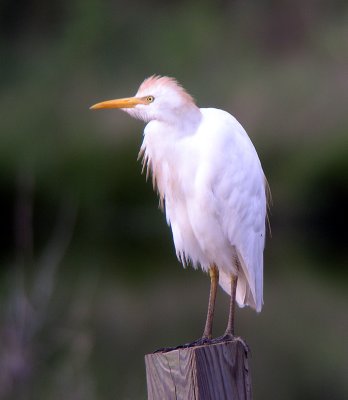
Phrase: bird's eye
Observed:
(149, 99)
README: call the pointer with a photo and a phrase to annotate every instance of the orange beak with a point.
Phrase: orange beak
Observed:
(128, 102)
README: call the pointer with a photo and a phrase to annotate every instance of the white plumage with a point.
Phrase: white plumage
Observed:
(210, 182)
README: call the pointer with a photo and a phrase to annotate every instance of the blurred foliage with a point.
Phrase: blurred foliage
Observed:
(109, 288)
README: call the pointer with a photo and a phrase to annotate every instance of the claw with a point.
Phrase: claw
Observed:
(199, 342)
(228, 337)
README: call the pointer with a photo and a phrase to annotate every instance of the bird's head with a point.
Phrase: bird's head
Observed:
(158, 98)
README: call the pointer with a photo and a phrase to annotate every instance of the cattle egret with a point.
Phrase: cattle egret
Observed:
(211, 185)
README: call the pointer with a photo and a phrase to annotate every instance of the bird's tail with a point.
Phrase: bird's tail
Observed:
(244, 295)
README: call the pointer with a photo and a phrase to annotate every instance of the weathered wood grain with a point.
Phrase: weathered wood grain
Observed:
(215, 372)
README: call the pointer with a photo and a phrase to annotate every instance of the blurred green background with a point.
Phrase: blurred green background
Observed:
(89, 280)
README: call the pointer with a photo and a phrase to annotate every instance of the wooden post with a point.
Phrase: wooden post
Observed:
(210, 372)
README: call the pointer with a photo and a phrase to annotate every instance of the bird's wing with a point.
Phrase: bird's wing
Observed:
(239, 190)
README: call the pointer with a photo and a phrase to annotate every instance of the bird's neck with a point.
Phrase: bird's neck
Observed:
(161, 149)
(183, 121)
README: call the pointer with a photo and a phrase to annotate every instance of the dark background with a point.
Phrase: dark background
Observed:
(89, 280)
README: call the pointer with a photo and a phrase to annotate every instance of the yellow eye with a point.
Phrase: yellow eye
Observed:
(149, 99)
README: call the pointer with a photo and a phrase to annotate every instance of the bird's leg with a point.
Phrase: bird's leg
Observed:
(207, 334)
(214, 280)
(230, 324)
(229, 333)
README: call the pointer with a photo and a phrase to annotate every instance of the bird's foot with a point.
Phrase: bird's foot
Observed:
(229, 337)
(199, 342)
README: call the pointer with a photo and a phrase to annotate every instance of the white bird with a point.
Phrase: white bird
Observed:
(211, 185)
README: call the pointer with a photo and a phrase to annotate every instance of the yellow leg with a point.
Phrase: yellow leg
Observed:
(230, 324)
(214, 280)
